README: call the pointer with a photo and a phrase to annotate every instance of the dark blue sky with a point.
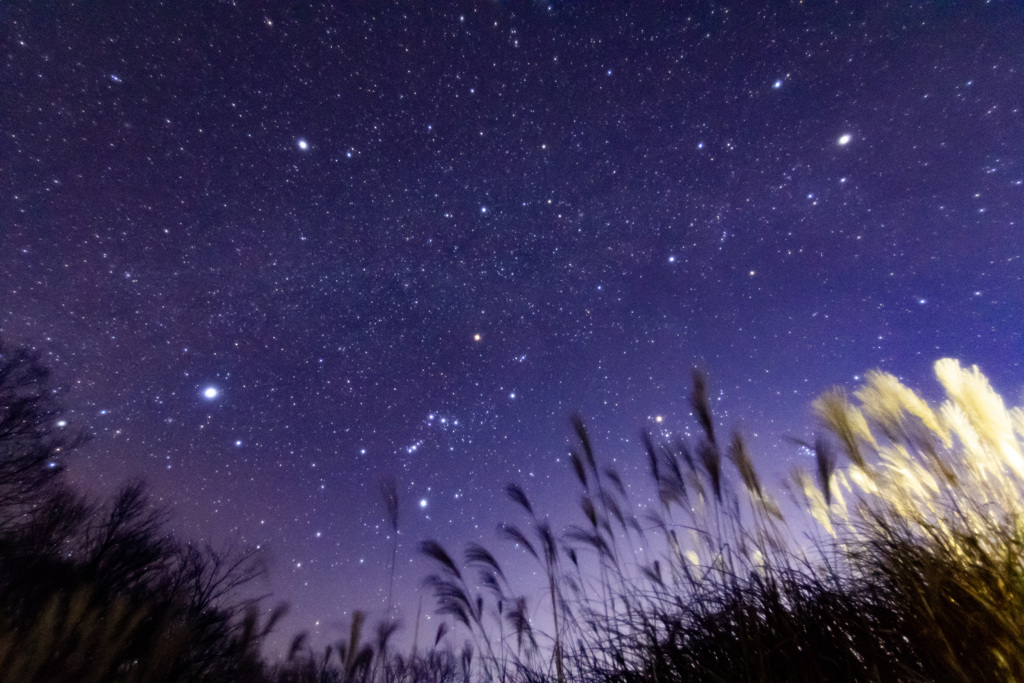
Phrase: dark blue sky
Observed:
(413, 238)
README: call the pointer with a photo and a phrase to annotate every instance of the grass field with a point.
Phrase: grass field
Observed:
(913, 571)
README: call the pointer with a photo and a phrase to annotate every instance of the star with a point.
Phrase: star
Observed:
(844, 139)
(303, 144)
(211, 393)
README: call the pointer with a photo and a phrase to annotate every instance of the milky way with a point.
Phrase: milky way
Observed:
(277, 253)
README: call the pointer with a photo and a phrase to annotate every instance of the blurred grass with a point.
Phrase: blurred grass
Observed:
(915, 573)
(912, 570)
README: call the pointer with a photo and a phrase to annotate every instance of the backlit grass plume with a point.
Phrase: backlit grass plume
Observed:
(932, 516)
(944, 470)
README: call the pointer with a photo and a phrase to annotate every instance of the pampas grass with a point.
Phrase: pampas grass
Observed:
(902, 560)
(915, 572)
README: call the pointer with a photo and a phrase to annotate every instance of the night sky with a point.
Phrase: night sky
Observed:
(276, 253)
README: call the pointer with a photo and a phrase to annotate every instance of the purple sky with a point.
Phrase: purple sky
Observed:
(258, 244)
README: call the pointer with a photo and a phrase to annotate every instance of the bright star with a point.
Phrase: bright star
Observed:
(423, 502)
(303, 145)
(211, 392)
(777, 85)
(845, 138)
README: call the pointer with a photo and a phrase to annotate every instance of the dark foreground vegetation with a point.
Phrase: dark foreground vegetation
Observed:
(907, 565)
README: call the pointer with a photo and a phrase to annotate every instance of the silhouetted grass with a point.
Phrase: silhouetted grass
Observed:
(908, 566)
(915, 574)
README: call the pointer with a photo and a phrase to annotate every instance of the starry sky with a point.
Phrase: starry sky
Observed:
(276, 252)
